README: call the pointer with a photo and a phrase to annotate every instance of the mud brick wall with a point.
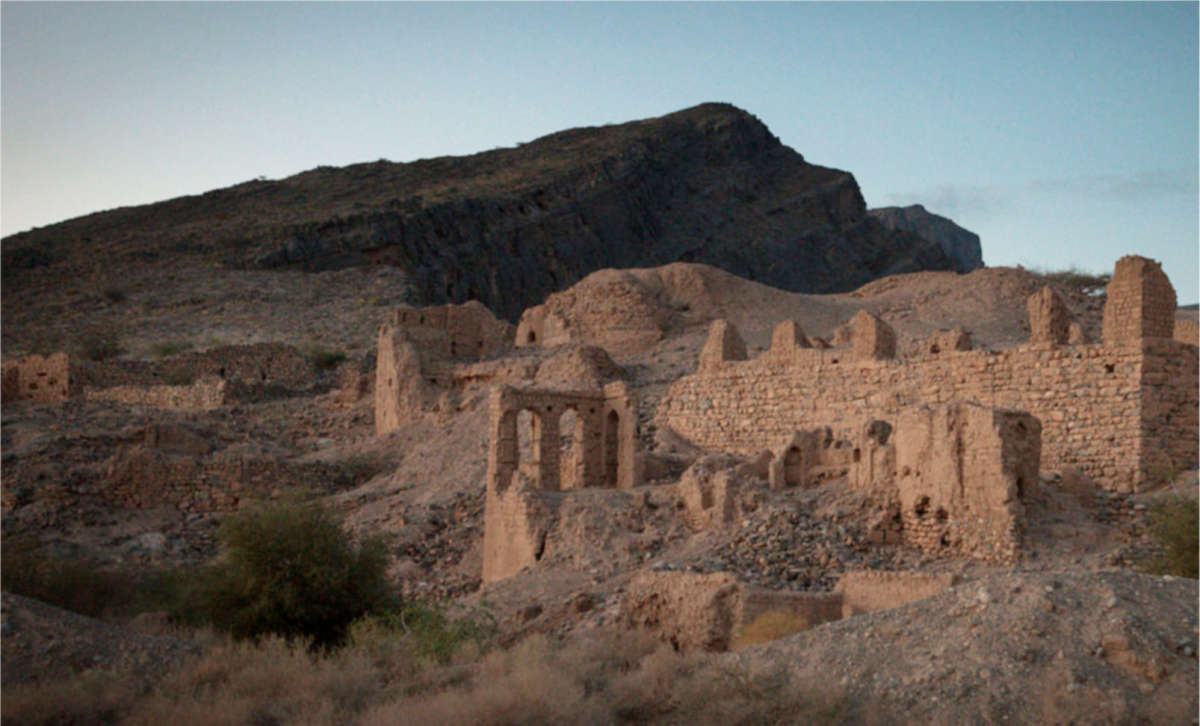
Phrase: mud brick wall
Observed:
(1101, 407)
(140, 477)
(204, 395)
(865, 591)
(464, 332)
(37, 379)
(689, 611)
(260, 363)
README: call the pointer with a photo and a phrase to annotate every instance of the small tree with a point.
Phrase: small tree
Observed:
(292, 570)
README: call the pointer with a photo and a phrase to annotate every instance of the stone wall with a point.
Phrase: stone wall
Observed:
(38, 379)
(1187, 331)
(690, 611)
(1099, 405)
(961, 473)
(865, 591)
(258, 364)
(1118, 411)
(455, 332)
(205, 394)
(1140, 303)
(144, 476)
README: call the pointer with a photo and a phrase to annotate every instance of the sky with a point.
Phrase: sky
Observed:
(1063, 134)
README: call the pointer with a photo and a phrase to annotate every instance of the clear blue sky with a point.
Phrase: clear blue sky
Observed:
(1064, 134)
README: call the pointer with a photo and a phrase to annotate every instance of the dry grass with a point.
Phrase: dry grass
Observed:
(606, 677)
(771, 625)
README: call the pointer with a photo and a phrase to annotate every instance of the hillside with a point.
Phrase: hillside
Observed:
(708, 184)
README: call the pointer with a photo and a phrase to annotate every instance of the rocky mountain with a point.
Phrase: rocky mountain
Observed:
(960, 245)
(509, 226)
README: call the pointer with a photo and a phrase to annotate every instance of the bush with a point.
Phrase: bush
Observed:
(114, 295)
(324, 359)
(291, 571)
(168, 348)
(431, 632)
(1174, 525)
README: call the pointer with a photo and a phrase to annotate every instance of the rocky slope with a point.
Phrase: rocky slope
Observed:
(960, 245)
(507, 227)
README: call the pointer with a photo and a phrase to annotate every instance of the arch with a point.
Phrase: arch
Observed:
(612, 439)
(793, 467)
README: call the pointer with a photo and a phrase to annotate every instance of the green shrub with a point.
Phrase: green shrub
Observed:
(324, 359)
(292, 571)
(114, 295)
(431, 632)
(1174, 525)
(168, 348)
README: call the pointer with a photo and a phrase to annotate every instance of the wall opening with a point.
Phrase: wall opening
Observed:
(793, 467)
(612, 428)
(527, 436)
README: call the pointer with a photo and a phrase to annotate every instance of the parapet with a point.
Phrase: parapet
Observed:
(1141, 303)
(1049, 319)
(873, 338)
(724, 344)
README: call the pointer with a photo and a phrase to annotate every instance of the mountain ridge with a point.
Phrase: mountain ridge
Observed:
(508, 226)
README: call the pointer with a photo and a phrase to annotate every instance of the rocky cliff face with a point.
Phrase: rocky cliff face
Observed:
(507, 227)
(960, 245)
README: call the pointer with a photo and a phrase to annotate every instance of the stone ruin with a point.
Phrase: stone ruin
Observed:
(522, 485)
(38, 379)
(191, 381)
(708, 612)
(1119, 410)
(417, 352)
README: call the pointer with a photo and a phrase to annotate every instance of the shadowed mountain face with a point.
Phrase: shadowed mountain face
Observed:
(708, 184)
(960, 245)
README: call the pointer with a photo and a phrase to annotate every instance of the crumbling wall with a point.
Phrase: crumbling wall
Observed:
(38, 379)
(245, 365)
(1049, 318)
(606, 432)
(613, 309)
(1187, 331)
(401, 391)
(1140, 303)
(453, 332)
(865, 591)
(205, 394)
(520, 501)
(1103, 408)
(961, 473)
(813, 608)
(690, 611)
(873, 338)
(710, 493)
(149, 475)
(517, 520)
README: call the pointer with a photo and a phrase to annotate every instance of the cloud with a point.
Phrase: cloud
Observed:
(956, 199)
(1136, 187)
(975, 199)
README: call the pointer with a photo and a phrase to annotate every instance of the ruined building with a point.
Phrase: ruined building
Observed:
(1121, 410)
(522, 495)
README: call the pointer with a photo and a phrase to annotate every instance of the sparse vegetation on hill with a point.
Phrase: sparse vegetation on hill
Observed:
(1175, 528)
(1073, 279)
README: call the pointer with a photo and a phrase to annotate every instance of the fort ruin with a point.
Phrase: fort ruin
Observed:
(1118, 410)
